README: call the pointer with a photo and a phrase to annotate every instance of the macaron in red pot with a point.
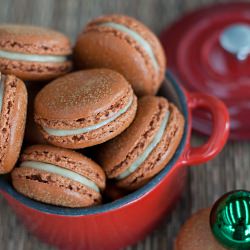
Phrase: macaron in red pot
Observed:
(126, 45)
(145, 148)
(59, 176)
(13, 107)
(85, 108)
(33, 53)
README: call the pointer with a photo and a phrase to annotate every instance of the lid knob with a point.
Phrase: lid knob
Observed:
(235, 39)
(230, 220)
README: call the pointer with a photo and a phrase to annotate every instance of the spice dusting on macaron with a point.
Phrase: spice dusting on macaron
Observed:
(85, 108)
(195, 234)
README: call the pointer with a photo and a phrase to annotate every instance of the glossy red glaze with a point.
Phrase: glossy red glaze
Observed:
(195, 55)
(131, 222)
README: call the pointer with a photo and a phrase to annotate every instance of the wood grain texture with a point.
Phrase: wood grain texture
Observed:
(230, 170)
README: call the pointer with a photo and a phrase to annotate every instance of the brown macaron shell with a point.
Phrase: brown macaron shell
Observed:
(82, 99)
(53, 188)
(100, 46)
(117, 155)
(34, 40)
(13, 117)
(196, 234)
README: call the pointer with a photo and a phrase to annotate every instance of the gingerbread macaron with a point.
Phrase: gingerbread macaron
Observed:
(13, 108)
(59, 177)
(85, 108)
(33, 53)
(196, 234)
(126, 45)
(143, 150)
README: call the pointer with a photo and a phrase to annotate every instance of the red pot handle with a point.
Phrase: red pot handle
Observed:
(220, 131)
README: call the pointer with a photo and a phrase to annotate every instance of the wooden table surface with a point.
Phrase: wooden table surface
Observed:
(230, 170)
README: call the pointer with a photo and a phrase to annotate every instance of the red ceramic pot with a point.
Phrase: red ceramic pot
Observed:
(206, 63)
(131, 218)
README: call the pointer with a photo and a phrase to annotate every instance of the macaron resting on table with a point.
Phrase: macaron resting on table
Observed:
(33, 53)
(13, 107)
(85, 108)
(145, 148)
(126, 45)
(59, 176)
(225, 226)
(196, 234)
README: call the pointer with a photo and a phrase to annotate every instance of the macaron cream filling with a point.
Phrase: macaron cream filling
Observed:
(145, 45)
(62, 172)
(68, 132)
(157, 138)
(32, 57)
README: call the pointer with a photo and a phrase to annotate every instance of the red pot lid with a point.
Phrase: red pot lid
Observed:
(208, 51)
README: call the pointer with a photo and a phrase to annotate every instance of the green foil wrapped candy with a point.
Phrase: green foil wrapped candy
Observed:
(230, 220)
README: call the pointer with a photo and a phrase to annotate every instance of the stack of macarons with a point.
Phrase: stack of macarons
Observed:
(108, 102)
